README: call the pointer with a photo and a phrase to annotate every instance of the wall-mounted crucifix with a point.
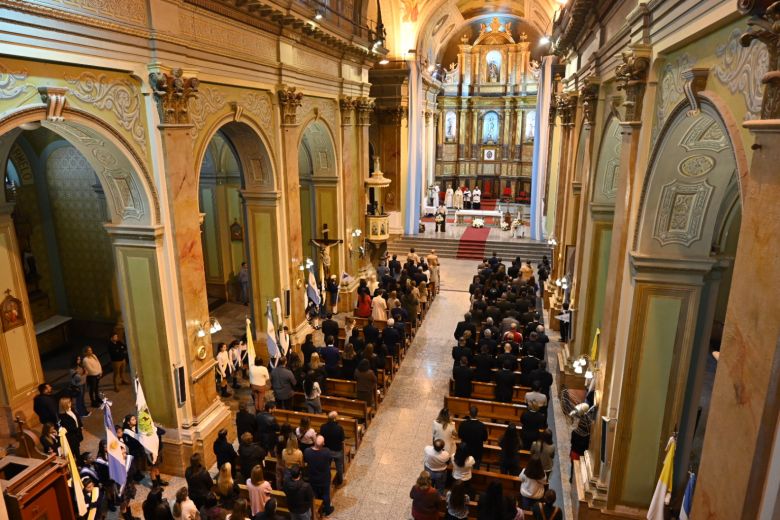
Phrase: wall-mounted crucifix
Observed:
(323, 245)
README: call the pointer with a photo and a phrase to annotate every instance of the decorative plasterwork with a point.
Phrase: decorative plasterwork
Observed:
(365, 107)
(205, 102)
(610, 177)
(589, 94)
(705, 134)
(741, 69)
(132, 11)
(765, 27)
(9, 83)
(694, 81)
(393, 115)
(681, 212)
(670, 90)
(54, 98)
(347, 105)
(321, 108)
(173, 92)
(696, 166)
(260, 106)
(289, 101)
(631, 77)
(119, 97)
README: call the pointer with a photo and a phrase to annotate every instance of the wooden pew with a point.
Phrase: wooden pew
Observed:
(281, 501)
(354, 408)
(495, 430)
(352, 430)
(492, 410)
(486, 391)
(341, 388)
(491, 457)
(480, 479)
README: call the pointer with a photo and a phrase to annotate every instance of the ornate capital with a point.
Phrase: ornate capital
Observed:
(553, 109)
(566, 105)
(347, 105)
(54, 97)
(172, 92)
(365, 107)
(428, 115)
(289, 101)
(694, 81)
(393, 115)
(765, 27)
(589, 94)
(632, 76)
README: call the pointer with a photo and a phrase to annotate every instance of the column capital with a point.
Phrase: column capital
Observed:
(365, 107)
(765, 27)
(347, 105)
(631, 77)
(172, 92)
(589, 94)
(289, 101)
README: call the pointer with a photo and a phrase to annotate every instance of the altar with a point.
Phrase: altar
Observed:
(491, 217)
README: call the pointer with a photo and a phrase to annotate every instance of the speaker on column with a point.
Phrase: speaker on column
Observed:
(287, 303)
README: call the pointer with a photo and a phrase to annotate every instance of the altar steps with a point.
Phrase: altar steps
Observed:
(528, 250)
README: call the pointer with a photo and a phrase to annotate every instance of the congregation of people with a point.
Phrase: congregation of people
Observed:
(500, 346)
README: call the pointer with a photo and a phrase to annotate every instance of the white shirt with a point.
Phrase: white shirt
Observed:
(476, 195)
(223, 363)
(436, 460)
(531, 488)
(447, 434)
(464, 472)
(91, 365)
(315, 391)
(258, 375)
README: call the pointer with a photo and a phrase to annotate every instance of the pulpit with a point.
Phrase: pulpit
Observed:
(35, 489)
(377, 221)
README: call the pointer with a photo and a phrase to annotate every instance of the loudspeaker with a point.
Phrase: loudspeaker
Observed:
(287, 303)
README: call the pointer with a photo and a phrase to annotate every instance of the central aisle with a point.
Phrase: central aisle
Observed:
(390, 456)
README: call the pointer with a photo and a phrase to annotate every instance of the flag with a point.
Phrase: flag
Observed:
(116, 468)
(75, 478)
(312, 292)
(250, 343)
(594, 349)
(685, 510)
(663, 490)
(270, 330)
(284, 338)
(147, 431)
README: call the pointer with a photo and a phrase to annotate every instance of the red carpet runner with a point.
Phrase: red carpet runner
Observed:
(472, 243)
(488, 204)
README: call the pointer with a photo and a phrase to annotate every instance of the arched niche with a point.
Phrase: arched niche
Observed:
(605, 180)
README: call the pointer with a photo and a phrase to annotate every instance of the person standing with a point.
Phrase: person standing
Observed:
(117, 350)
(258, 382)
(70, 420)
(300, 495)
(379, 306)
(444, 429)
(283, 383)
(425, 498)
(473, 432)
(243, 281)
(224, 368)
(94, 371)
(476, 198)
(45, 405)
(467, 198)
(318, 459)
(78, 377)
(334, 436)
(435, 463)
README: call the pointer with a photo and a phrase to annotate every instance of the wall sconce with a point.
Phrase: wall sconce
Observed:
(212, 325)
(301, 266)
(356, 236)
(552, 241)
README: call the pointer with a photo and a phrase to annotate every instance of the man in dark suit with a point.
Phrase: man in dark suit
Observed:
(330, 327)
(459, 351)
(245, 422)
(371, 333)
(462, 375)
(544, 378)
(484, 362)
(391, 338)
(533, 346)
(507, 356)
(487, 340)
(505, 382)
(395, 267)
(474, 433)
(45, 405)
(465, 325)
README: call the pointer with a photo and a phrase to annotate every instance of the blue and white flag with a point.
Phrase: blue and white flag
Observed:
(687, 503)
(270, 331)
(116, 466)
(312, 292)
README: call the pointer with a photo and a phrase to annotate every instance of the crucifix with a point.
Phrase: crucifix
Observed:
(323, 245)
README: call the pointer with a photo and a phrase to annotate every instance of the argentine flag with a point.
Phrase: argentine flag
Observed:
(663, 490)
(116, 468)
(273, 348)
(685, 510)
(312, 292)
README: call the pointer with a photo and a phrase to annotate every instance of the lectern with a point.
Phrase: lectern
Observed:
(35, 489)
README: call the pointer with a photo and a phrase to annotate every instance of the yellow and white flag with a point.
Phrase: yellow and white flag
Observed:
(250, 343)
(147, 431)
(75, 478)
(594, 348)
(663, 490)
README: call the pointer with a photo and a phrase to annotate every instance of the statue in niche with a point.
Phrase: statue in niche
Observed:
(11, 312)
(449, 130)
(492, 70)
(236, 231)
(490, 133)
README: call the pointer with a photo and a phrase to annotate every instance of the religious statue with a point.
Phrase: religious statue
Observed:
(324, 244)
(492, 70)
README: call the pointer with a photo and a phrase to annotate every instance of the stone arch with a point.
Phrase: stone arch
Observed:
(318, 142)
(131, 197)
(693, 172)
(256, 162)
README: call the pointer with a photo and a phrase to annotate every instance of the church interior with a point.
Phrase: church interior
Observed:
(389, 259)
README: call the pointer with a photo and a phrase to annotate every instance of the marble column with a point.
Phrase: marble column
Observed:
(745, 403)
(20, 363)
(464, 150)
(350, 175)
(566, 110)
(631, 77)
